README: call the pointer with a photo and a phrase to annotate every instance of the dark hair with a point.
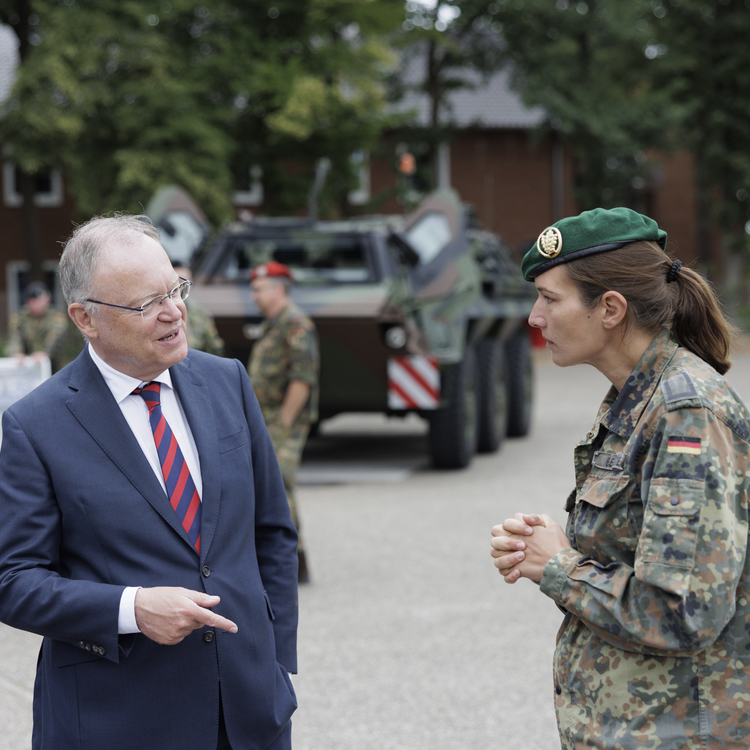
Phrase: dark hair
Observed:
(688, 306)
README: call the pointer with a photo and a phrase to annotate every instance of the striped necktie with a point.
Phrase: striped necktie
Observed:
(180, 486)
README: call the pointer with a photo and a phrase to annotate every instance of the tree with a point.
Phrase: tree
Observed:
(455, 40)
(130, 96)
(585, 64)
(319, 95)
(18, 14)
(704, 64)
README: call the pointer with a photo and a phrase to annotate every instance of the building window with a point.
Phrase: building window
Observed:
(361, 163)
(48, 193)
(253, 195)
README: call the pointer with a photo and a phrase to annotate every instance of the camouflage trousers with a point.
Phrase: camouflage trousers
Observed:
(288, 443)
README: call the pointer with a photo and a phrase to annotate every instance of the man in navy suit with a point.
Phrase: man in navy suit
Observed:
(145, 531)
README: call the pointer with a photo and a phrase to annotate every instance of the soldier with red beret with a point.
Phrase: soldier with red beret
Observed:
(283, 368)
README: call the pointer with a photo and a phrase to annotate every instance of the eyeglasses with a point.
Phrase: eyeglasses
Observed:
(152, 307)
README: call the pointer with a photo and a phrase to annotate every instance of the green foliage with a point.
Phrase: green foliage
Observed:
(453, 38)
(621, 80)
(704, 63)
(585, 64)
(131, 95)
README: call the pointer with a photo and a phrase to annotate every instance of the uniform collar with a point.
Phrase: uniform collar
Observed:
(621, 411)
(282, 316)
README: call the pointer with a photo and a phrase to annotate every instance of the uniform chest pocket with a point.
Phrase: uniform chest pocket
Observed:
(604, 523)
(671, 522)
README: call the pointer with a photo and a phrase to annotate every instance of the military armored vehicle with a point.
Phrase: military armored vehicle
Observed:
(414, 314)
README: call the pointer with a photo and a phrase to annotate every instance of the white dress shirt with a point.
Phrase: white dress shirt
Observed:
(135, 411)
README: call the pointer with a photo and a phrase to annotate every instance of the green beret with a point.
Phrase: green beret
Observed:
(595, 231)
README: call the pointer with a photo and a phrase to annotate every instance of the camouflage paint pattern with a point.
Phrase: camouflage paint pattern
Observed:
(48, 333)
(201, 330)
(654, 650)
(287, 350)
(472, 288)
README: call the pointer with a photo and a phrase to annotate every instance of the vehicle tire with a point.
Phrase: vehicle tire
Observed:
(492, 396)
(519, 379)
(453, 429)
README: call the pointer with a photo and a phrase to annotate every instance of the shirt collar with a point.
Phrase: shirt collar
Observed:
(624, 409)
(119, 383)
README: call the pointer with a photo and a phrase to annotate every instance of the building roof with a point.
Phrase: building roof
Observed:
(8, 60)
(489, 103)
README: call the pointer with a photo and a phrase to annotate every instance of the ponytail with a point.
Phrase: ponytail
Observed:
(687, 305)
(698, 323)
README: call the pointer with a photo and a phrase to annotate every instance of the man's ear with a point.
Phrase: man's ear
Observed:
(615, 308)
(83, 320)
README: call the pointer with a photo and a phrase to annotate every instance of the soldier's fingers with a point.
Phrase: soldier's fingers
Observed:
(513, 576)
(504, 563)
(533, 519)
(517, 526)
(547, 521)
(507, 543)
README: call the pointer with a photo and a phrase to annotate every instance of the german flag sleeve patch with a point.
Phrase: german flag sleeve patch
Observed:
(681, 444)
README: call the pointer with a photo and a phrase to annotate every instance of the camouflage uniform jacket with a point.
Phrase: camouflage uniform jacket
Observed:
(201, 330)
(287, 350)
(654, 650)
(36, 333)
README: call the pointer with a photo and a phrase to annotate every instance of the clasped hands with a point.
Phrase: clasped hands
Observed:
(524, 544)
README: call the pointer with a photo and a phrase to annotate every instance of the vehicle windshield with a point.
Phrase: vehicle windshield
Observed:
(313, 257)
(429, 235)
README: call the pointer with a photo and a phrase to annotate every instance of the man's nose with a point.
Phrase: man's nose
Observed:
(171, 307)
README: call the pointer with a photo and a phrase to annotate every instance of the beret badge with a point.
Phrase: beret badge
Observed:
(550, 242)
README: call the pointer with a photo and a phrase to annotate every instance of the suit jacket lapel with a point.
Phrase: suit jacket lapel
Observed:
(195, 397)
(93, 405)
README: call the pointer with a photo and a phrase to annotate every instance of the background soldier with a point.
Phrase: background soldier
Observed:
(283, 369)
(38, 329)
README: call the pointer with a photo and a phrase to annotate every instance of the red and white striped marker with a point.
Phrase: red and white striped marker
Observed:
(413, 382)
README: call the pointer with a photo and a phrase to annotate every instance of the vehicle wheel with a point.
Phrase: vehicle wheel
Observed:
(492, 396)
(453, 429)
(519, 379)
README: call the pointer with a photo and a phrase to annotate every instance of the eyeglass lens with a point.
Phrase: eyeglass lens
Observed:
(153, 307)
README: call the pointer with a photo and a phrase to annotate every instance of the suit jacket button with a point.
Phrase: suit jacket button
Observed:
(88, 647)
(206, 571)
(102, 651)
(81, 644)
(208, 636)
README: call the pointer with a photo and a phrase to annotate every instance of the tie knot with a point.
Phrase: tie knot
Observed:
(150, 393)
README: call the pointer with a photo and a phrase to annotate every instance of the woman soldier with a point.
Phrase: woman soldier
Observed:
(652, 570)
